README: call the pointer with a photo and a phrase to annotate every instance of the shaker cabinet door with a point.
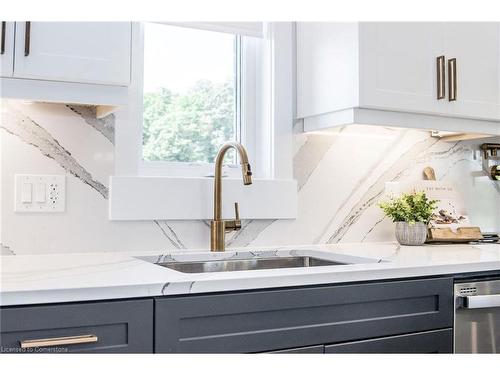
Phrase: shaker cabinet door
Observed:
(398, 66)
(476, 48)
(7, 48)
(327, 62)
(270, 320)
(83, 52)
(91, 327)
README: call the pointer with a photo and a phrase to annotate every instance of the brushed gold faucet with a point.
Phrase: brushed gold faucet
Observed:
(219, 227)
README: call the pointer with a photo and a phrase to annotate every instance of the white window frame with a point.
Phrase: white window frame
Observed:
(250, 52)
(137, 194)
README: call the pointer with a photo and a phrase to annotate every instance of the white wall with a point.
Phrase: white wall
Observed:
(341, 176)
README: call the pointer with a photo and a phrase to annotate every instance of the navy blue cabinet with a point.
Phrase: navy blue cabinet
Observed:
(377, 317)
(269, 320)
(316, 349)
(440, 341)
(98, 327)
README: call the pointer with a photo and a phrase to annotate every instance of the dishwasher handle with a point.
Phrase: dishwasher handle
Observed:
(481, 302)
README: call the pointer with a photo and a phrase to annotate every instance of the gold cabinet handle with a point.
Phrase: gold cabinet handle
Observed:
(452, 80)
(58, 341)
(441, 85)
(236, 211)
(2, 48)
(27, 38)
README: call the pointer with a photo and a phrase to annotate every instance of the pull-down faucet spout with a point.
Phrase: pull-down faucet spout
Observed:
(218, 227)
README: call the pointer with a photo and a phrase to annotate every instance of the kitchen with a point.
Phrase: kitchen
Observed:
(268, 187)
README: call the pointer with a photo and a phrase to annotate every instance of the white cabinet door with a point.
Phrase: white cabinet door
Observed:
(7, 49)
(476, 47)
(327, 67)
(86, 52)
(398, 66)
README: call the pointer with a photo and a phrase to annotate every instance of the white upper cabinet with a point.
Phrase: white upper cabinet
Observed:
(398, 66)
(476, 48)
(85, 52)
(442, 76)
(7, 49)
(327, 67)
(68, 62)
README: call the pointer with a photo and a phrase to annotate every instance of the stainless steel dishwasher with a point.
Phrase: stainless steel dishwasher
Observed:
(477, 317)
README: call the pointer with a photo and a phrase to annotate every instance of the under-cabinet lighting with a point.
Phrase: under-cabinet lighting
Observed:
(441, 133)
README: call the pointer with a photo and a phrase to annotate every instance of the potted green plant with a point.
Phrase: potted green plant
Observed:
(411, 212)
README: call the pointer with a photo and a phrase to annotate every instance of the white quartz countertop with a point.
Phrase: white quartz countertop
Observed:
(33, 279)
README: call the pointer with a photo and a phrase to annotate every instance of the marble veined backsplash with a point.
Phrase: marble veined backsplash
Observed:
(341, 176)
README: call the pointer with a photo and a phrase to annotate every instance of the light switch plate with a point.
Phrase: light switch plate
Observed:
(40, 193)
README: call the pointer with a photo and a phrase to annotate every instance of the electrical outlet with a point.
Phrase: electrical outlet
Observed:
(40, 193)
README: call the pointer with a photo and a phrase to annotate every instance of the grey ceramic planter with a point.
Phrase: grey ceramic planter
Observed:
(411, 235)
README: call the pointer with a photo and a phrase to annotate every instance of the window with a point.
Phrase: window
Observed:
(192, 95)
(162, 186)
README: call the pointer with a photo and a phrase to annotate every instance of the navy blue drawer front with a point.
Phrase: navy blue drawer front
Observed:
(316, 349)
(440, 341)
(267, 320)
(100, 327)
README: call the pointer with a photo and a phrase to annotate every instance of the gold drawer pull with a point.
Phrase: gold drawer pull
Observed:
(441, 85)
(452, 80)
(58, 341)
(2, 48)
(27, 38)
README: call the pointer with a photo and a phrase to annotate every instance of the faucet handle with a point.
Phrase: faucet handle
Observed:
(236, 223)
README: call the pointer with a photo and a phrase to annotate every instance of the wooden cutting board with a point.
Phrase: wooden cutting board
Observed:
(462, 234)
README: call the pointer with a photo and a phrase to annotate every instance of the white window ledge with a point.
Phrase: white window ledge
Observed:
(186, 198)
